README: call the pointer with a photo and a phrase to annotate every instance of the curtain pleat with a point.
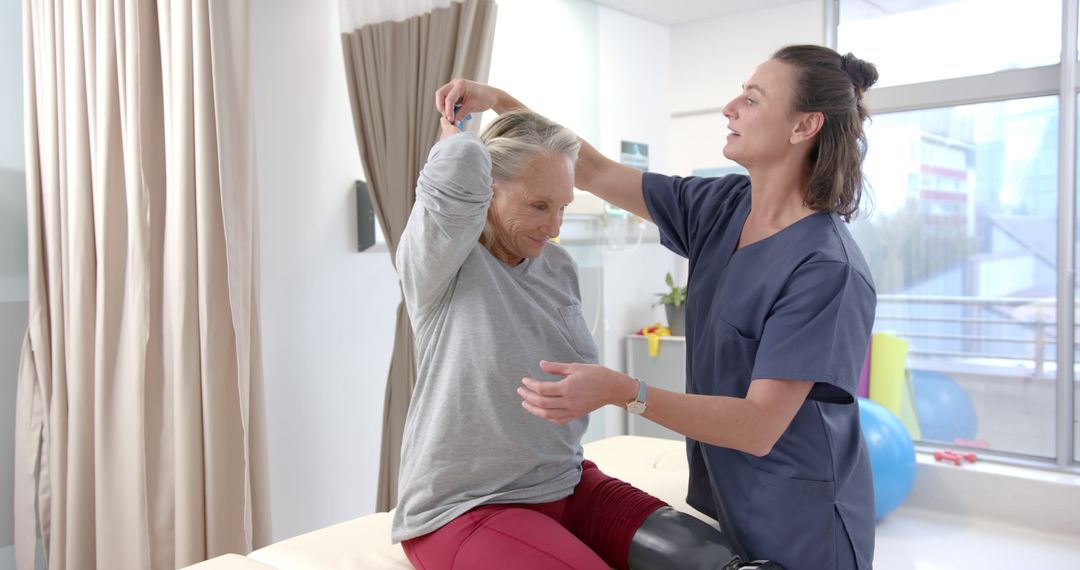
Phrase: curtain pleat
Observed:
(140, 436)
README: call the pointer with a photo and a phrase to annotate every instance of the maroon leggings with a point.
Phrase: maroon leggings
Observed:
(592, 528)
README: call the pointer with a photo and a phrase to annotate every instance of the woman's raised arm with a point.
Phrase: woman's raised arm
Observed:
(595, 173)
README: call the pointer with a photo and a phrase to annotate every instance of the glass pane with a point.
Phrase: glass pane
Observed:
(924, 40)
(962, 246)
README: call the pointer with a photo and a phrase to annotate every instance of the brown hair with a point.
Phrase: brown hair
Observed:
(833, 85)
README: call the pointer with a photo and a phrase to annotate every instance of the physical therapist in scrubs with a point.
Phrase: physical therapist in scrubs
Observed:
(779, 311)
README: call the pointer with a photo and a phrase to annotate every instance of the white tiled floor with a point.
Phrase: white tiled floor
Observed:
(910, 539)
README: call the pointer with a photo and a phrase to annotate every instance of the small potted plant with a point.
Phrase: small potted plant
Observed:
(674, 302)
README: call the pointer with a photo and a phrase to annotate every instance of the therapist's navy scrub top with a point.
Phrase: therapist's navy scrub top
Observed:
(798, 305)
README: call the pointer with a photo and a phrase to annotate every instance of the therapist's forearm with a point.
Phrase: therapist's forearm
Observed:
(616, 183)
(504, 102)
(595, 173)
(736, 423)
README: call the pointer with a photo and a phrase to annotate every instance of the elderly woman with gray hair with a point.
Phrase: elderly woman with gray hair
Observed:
(483, 483)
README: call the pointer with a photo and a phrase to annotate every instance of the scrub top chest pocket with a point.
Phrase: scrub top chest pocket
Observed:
(729, 356)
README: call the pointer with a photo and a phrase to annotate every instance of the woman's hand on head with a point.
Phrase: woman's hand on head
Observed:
(474, 97)
(584, 388)
(447, 129)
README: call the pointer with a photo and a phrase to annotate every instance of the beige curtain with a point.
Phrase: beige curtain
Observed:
(393, 69)
(140, 431)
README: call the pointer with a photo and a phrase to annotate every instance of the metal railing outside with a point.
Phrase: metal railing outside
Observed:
(976, 330)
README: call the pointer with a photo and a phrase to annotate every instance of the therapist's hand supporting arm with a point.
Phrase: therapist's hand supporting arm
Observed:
(472, 97)
(752, 424)
(594, 172)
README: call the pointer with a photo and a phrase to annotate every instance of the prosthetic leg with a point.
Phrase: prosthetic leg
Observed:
(670, 539)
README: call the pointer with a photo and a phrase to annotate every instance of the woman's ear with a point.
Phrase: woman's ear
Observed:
(498, 194)
(808, 127)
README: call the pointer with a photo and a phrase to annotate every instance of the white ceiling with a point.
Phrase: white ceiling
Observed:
(674, 12)
(851, 10)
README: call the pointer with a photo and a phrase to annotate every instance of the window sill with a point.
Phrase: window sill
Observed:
(1033, 498)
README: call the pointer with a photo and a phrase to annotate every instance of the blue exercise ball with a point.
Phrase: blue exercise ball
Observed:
(892, 456)
(945, 411)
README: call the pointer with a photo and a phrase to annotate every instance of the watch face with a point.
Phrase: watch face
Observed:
(636, 408)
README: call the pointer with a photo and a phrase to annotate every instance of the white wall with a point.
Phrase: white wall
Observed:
(13, 306)
(635, 99)
(545, 55)
(11, 86)
(634, 75)
(710, 60)
(328, 311)
(12, 329)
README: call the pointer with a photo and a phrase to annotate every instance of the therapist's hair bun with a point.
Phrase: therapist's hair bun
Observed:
(863, 74)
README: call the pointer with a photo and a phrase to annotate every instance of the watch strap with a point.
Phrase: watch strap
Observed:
(642, 391)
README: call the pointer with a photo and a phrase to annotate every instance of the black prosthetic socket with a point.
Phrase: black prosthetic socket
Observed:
(670, 539)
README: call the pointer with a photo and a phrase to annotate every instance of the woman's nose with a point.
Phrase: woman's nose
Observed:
(552, 224)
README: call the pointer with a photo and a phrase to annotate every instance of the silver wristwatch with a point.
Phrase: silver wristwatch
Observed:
(637, 405)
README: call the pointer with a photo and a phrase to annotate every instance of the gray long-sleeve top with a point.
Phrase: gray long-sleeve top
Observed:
(480, 326)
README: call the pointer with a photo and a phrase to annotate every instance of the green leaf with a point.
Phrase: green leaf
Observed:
(675, 296)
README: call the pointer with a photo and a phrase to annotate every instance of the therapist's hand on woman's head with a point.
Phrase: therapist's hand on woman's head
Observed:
(474, 98)
(586, 387)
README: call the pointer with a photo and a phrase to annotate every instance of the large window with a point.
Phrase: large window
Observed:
(962, 246)
(971, 151)
(923, 40)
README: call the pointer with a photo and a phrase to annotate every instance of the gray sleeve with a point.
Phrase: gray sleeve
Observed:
(452, 197)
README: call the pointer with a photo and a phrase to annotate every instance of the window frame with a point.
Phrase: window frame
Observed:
(1059, 79)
